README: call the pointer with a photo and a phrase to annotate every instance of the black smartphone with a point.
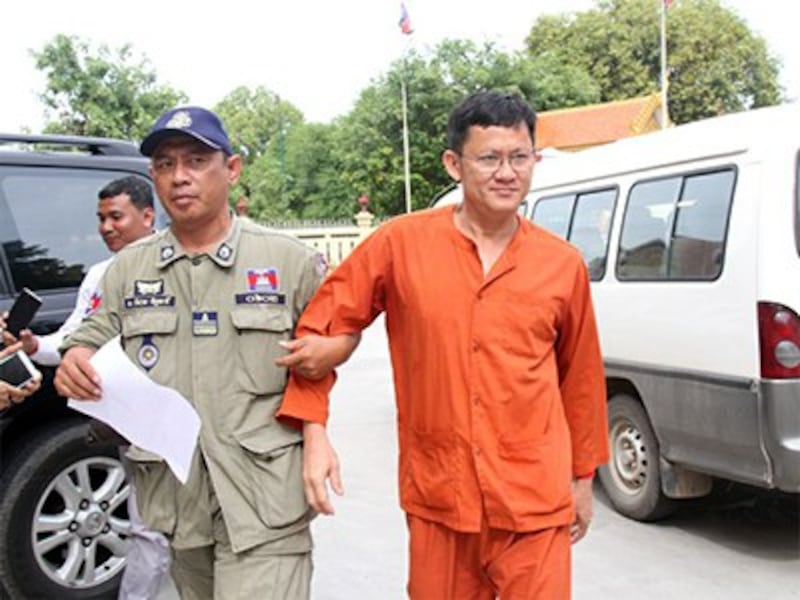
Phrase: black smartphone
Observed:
(17, 369)
(22, 311)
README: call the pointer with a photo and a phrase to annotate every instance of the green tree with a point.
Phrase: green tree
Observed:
(717, 64)
(367, 143)
(318, 189)
(259, 124)
(100, 93)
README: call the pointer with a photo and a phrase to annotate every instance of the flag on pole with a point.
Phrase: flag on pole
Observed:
(405, 22)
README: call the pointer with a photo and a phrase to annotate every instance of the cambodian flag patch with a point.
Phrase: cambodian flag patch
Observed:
(262, 280)
(94, 303)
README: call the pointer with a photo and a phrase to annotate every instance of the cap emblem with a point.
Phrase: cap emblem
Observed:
(180, 120)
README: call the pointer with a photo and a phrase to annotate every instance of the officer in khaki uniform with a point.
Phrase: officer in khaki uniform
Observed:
(202, 307)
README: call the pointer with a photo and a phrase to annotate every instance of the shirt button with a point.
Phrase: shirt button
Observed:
(196, 260)
(476, 400)
(475, 346)
(477, 451)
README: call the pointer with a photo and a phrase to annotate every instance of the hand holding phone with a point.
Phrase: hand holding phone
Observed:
(22, 311)
(18, 377)
(17, 369)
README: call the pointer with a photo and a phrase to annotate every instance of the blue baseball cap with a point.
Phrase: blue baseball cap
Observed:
(194, 121)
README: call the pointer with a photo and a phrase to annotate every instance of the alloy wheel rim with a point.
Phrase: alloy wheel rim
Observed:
(80, 527)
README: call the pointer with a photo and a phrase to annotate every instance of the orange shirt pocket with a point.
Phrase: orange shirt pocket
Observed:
(428, 470)
(537, 472)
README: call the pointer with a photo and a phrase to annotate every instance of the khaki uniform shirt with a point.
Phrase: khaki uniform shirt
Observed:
(208, 326)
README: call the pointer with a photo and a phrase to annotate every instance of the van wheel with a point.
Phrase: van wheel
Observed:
(63, 516)
(632, 478)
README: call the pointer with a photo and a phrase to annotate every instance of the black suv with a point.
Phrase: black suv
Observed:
(63, 516)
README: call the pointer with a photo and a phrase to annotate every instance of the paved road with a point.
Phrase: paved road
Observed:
(741, 545)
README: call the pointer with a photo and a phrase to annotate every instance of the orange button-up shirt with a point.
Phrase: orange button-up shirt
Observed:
(498, 378)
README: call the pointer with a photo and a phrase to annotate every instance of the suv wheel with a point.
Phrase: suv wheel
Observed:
(63, 516)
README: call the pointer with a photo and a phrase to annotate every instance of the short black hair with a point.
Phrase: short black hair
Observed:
(486, 109)
(137, 188)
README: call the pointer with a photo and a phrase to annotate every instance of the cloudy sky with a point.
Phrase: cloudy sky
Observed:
(318, 54)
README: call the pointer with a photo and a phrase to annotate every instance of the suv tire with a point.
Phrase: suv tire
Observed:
(72, 499)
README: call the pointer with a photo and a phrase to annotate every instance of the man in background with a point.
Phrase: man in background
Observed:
(125, 214)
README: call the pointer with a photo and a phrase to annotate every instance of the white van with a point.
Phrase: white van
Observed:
(692, 239)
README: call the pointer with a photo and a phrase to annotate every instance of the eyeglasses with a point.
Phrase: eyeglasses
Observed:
(489, 163)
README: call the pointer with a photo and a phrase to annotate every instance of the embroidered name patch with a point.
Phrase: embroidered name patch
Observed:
(149, 301)
(260, 298)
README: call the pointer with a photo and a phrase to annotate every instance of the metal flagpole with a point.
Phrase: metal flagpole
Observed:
(405, 28)
(664, 82)
(406, 161)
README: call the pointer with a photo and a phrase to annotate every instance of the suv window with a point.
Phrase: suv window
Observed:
(48, 225)
(584, 220)
(674, 228)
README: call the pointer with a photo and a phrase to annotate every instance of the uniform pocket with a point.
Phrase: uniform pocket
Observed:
(275, 463)
(155, 488)
(144, 322)
(427, 475)
(259, 330)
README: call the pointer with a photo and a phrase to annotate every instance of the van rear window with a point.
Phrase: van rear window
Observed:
(584, 219)
(675, 228)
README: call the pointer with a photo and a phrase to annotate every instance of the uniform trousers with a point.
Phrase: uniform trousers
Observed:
(449, 565)
(274, 570)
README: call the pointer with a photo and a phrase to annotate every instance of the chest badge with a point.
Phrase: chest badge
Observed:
(144, 287)
(205, 323)
(148, 353)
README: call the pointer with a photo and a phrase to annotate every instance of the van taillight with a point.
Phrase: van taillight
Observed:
(779, 337)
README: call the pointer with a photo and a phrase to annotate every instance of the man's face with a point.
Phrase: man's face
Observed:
(121, 222)
(495, 167)
(192, 180)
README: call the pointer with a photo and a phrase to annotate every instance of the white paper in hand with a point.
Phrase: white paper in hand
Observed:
(154, 417)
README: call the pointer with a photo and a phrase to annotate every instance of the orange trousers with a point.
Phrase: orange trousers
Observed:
(449, 565)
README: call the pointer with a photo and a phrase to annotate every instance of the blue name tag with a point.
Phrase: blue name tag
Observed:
(260, 298)
(149, 301)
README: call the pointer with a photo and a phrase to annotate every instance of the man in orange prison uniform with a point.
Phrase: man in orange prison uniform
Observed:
(497, 369)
